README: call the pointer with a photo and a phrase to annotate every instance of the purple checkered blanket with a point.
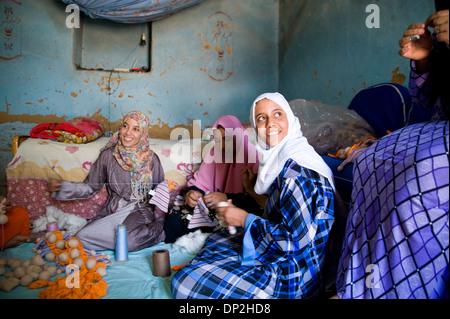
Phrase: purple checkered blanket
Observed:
(396, 239)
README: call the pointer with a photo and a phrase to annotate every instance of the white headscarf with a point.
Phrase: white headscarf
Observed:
(293, 146)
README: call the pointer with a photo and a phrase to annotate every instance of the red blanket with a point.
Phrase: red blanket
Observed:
(77, 130)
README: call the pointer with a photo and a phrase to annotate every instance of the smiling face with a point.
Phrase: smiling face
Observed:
(271, 122)
(130, 133)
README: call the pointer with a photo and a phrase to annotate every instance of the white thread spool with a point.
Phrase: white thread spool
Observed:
(231, 229)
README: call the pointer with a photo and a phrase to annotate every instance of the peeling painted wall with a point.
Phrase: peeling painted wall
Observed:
(207, 60)
(187, 49)
(328, 54)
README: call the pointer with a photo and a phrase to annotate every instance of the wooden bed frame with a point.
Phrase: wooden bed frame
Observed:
(16, 141)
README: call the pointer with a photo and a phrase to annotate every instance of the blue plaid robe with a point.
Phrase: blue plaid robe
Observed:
(279, 256)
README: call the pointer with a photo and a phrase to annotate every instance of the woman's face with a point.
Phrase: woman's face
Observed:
(221, 138)
(130, 133)
(271, 122)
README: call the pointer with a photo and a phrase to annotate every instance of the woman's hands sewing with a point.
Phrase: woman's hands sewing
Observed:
(420, 49)
(417, 50)
(53, 185)
(212, 199)
(249, 179)
(439, 21)
(192, 197)
(232, 215)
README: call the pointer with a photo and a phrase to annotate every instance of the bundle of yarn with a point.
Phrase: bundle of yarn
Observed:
(350, 154)
(86, 267)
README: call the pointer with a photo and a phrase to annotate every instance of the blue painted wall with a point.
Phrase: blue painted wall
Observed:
(317, 50)
(207, 60)
(327, 53)
(178, 88)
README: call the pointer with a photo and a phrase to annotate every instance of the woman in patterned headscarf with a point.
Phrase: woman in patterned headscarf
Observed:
(128, 169)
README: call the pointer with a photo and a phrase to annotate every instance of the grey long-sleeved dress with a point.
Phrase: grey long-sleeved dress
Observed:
(144, 225)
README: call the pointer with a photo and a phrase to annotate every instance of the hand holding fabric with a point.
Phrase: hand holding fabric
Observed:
(54, 185)
(417, 50)
(212, 199)
(232, 215)
(439, 21)
(192, 197)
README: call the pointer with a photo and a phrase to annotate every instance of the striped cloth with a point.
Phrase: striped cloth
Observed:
(161, 198)
(279, 256)
(200, 216)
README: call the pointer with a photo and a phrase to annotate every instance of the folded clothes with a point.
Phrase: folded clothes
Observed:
(78, 130)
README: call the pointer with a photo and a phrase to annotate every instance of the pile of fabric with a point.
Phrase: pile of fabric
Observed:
(351, 153)
(78, 130)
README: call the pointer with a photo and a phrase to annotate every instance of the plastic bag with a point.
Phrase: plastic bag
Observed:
(330, 128)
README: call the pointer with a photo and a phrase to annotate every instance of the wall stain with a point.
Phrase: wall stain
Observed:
(110, 81)
(103, 87)
(398, 78)
(5, 117)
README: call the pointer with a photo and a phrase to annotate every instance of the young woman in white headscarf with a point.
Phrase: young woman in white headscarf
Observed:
(281, 254)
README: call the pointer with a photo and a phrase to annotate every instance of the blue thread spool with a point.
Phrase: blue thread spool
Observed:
(121, 243)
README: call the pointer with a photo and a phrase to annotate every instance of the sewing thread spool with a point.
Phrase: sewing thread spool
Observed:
(51, 226)
(231, 229)
(121, 243)
(161, 263)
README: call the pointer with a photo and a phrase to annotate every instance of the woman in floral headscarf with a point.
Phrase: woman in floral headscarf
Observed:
(128, 169)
